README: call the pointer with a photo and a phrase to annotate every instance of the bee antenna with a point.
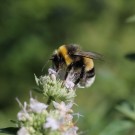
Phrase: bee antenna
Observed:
(45, 65)
(51, 58)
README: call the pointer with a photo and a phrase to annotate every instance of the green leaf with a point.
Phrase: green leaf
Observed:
(126, 110)
(9, 130)
(117, 127)
(13, 121)
(36, 79)
(37, 89)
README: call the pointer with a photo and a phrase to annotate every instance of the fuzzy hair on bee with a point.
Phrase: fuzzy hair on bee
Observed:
(76, 65)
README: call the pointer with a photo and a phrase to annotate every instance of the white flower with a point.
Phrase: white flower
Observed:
(69, 84)
(23, 114)
(62, 107)
(51, 71)
(37, 106)
(51, 123)
(23, 131)
(52, 74)
(71, 131)
(68, 117)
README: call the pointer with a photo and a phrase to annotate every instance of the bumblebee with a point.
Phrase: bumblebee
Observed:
(78, 65)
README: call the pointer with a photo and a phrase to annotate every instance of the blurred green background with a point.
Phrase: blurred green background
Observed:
(30, 30)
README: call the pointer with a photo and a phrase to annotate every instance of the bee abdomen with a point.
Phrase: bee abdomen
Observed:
(91, 73)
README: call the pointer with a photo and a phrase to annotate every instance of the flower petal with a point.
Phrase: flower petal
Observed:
(51, 123)
(23, 131)
(37, 106)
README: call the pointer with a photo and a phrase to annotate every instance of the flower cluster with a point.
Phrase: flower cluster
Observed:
(35, 119)
(51, 86)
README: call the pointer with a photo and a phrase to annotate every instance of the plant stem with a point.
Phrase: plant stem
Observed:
(49, 100)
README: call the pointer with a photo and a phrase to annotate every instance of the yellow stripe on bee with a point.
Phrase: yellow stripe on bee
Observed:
(89, 64)
(64, 52)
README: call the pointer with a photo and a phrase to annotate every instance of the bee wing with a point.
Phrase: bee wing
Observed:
(91, 55)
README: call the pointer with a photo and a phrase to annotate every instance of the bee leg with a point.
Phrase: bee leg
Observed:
(81, 75)
(67, 70)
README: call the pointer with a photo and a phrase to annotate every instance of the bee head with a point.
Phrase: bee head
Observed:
(55, 60)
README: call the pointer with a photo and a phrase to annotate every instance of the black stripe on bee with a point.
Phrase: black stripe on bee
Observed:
(91, 73)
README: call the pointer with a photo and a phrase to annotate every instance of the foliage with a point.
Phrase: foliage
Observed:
(30, 30)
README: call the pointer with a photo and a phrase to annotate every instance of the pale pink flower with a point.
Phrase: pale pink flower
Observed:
(37, 106)
(51, 123)
(23, 131)
(62, 107)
